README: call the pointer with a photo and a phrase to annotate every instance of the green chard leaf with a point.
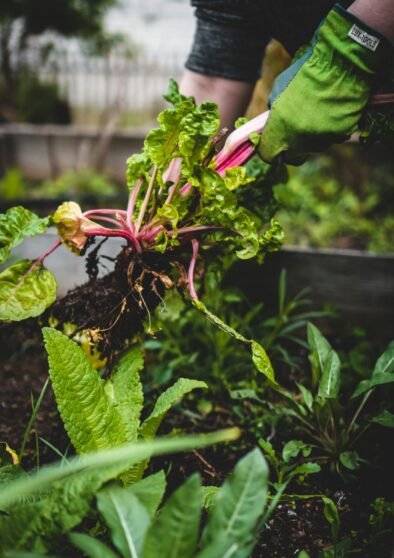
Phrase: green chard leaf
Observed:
(16, 224)
(26, 290)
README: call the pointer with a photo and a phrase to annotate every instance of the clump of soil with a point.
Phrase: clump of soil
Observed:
(112, 308)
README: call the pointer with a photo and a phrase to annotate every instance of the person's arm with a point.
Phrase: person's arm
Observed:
(377, 14)
(232, 96)
(225, 59)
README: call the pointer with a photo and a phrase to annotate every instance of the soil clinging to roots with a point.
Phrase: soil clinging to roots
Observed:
(112, 308)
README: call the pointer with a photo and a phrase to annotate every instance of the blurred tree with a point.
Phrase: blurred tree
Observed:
(21, 19)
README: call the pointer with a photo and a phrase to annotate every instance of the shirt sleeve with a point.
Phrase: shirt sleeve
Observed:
(229, 40)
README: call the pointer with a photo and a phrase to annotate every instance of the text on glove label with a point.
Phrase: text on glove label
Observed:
(363, 38)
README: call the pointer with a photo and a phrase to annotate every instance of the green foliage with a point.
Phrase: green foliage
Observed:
(17, 224)
(329, 418)
(185, 344)
(341, 199)
(27, 288)
(13, 185)
(286, 466)
(75, 184)
(174, 533)
(56, 498)
(100, 414)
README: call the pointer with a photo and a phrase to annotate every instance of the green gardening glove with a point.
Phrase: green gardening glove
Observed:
(319, 99)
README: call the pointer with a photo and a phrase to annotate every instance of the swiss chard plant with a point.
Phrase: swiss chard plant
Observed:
(186, 201)
(103, 413)
(175, 532)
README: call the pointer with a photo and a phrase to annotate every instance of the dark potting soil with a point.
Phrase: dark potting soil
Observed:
(112, 308)
(294, 525)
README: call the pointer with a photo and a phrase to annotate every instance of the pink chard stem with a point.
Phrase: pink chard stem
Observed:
(192, 267)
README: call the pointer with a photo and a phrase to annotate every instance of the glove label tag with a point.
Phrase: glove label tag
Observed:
(363, 38)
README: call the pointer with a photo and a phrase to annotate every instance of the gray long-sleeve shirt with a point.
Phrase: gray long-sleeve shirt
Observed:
(231, 35)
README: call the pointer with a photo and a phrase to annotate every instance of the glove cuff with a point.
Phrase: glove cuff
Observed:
(358, 44)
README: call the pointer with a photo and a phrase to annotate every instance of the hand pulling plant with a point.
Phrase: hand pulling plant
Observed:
(185, 199)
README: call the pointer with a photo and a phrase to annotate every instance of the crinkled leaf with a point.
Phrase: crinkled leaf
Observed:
(235, 177)
(126, 517)
(72, 226)
(92, 423)
(383, 372)
(173, 95)
(25, 292)
(164, 403)
(138, 166)
(54, 511)
(124, 389)
(16, 224)
(238, 505)
(175, 531)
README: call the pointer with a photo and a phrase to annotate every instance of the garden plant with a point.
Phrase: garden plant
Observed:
(157, 368)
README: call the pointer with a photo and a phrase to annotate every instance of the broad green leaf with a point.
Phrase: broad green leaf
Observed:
(175, 532)
(164, 403)
(150, 491)
(238, 505)
(16, 224)
(331, 514)
(25, 291)
(92, 423)
(293, 448)
(126, 517)
(326, 366)
(350, 460)
(124, 388)
(383, 372)
(304, 470)
(220, 548)
(122, 456)
(306, 396)
(262, 362)
(91, 547)
(330, 380)
(53, 511)
(320, 348)
(384, 419)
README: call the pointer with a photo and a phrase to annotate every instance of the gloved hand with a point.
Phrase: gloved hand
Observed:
(319, 99)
